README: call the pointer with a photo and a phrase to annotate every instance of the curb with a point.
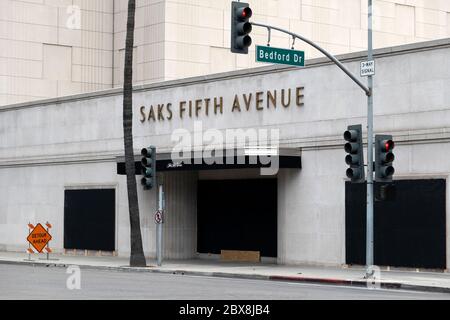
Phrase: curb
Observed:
(361, 283)
(324, 281)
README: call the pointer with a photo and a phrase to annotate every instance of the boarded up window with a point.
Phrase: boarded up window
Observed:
(408, 232)
(89, 219)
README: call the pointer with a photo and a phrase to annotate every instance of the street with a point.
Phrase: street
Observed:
(29, 282)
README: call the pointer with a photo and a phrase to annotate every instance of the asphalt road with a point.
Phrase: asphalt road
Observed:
(27, 282)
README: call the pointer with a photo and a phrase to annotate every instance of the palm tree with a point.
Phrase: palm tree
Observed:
(137, 258)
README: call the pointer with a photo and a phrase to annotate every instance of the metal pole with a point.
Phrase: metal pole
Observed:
(326, 53)
(159, 228)
(369, 92)
(369, 231)
(29, 245)
(47, 242)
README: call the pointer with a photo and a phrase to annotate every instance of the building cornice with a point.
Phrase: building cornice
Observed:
(313, 63)
(402, 138)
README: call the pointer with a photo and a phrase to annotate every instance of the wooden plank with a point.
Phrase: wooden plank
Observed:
(241, 256)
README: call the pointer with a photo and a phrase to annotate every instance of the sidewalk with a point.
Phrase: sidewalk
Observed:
(408, 280)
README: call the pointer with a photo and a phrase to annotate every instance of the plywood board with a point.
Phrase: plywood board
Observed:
(242, 256)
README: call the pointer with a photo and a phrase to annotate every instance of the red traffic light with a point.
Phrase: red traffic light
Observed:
(384, 157)
(243, 13)
(240, 27)
(389, 145)
(246, 13)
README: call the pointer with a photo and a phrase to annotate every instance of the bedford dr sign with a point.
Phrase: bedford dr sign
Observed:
(280, 56)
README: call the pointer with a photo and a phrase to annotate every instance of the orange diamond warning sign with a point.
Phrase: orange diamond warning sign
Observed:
(39, 237)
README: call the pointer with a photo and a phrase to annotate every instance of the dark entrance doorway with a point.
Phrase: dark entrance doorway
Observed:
(89, 219)
(237, 215)
(408, 232)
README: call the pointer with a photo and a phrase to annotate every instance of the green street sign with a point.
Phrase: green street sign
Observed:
(280, 56)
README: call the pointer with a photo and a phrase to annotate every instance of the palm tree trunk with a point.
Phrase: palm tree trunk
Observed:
(137, 258)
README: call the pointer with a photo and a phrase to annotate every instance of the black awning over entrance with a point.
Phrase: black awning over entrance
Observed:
(287, 159)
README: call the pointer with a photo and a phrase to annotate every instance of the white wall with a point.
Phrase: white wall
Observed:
(177, 38)
(36, 194)
(311, 210)
(340, 26)
(75, 141)
(180, 225)
(40, 57)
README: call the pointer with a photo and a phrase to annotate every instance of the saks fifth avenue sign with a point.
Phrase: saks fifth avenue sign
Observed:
(247, 102)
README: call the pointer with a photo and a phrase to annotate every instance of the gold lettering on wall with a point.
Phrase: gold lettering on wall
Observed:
(257, 101)
(198, 107)
(272, 98)
(160, 112)
(300, 96)
(236, 104)
(283, 98)
(207, 100)
(169, 110)
(218, 105)
(142, 110)
(182, 108)
(247, 101)
(151, 114)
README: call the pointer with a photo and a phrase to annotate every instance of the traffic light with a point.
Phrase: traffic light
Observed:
(355, 158)
(240, 27)
(384, 157)
(148, 163)
(385, 191)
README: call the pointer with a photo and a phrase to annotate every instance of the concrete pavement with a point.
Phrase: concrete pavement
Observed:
(27, 282)
(354, 276)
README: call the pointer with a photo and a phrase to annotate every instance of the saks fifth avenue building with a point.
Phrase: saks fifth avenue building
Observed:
(61, 161)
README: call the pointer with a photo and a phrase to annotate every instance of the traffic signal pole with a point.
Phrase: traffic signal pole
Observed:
(370, 145)
(368, 90)
(159, 227)
(326, 53)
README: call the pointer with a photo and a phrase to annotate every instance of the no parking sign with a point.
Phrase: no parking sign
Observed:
(158, 217)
